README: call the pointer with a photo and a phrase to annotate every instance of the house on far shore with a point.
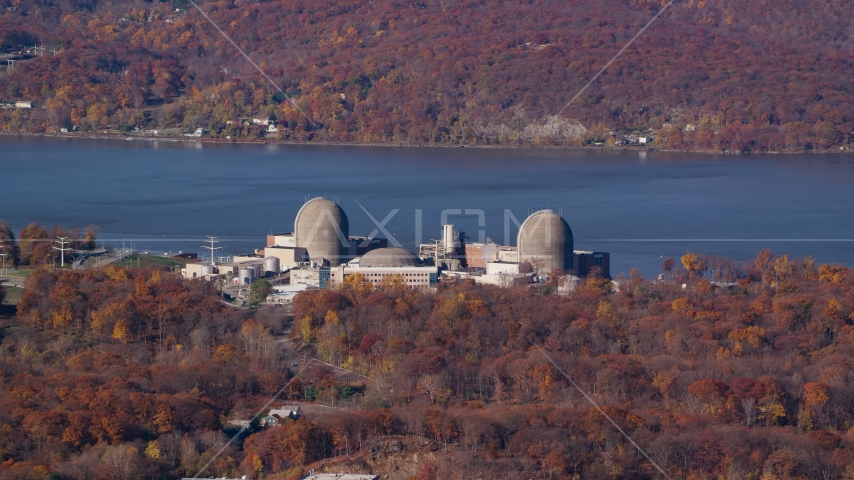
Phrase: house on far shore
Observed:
(279, 415)
(24, 104)
(222, 478)
(286, 411)
(339, 476)
(268, 421)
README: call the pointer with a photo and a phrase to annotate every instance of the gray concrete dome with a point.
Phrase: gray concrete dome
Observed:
(546, 236)
(322, 228)
(389, 257)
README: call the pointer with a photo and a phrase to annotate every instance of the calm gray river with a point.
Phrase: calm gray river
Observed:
(167, 196)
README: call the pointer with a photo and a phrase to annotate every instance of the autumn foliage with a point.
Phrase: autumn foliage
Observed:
(114, 374)
(126, 373)
(752, 76)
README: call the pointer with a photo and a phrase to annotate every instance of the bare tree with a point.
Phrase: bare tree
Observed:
(692, 404)
(506, 280)
(431, 385)
(122, 459)
(748, 406)
(538, 264)
(62, 345)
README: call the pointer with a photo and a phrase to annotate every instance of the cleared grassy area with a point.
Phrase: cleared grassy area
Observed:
(13, 295)
(21, 272)
(150, 260)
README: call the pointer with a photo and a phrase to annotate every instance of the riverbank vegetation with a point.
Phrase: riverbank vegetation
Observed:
(723, 370)
(35, 244)
(705, 76)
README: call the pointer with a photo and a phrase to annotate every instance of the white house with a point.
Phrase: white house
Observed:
(286, 411)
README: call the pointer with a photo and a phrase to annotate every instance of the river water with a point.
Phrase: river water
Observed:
(641, 207)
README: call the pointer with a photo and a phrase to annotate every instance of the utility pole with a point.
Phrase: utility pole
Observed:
(62, 241)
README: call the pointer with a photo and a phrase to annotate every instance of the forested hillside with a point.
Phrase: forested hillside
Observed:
(127, 373)
(709, 74)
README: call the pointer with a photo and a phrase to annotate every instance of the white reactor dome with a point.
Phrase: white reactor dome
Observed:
(322, 228)
(547, 237)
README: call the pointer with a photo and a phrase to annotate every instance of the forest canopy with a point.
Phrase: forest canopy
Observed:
(136, 373)
(709, 75)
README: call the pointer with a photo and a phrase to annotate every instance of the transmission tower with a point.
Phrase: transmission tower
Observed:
(213, 248)
(62, 241)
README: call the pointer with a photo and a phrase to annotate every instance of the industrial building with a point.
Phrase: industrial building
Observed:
(283, 246)
(446, 253)
(283, 294)
(377, 265)
(288, 257)
(320, 253)
(323, 230)
(585, 262)
(479, 254)
(544, 243)
(321, 237)
(545, 240)
(199, 270)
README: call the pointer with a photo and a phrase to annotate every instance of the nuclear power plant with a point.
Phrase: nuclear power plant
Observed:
(323, 230)
(546, 237)
(321, 253)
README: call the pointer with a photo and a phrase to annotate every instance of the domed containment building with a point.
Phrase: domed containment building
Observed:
(378, 265)
(322, 228)
(389, 257)
(546, 237)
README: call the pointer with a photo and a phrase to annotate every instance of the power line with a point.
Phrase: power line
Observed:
(213, 248)
(615, 57)
(62, 241)
(252, 62)
(243, 429)
(597, 407)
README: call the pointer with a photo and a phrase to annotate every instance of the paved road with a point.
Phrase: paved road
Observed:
(8, 280)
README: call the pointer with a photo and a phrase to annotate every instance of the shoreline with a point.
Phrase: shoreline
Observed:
(598, 148)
